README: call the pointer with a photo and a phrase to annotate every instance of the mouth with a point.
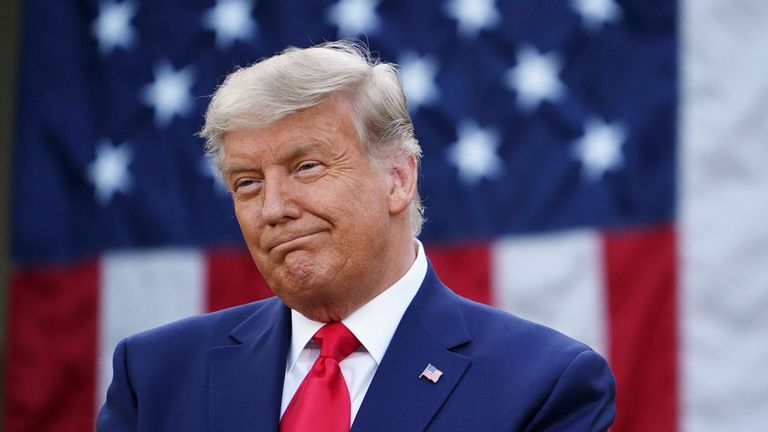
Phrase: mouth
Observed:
(290, 241)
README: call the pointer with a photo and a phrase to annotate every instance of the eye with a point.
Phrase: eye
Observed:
(304, 166)
(308, 168)
(247, 184)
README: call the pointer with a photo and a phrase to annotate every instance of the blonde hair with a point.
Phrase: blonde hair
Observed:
(300, 78)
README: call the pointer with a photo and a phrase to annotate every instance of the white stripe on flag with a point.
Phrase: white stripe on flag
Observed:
(724, 208)
(142, 290)
(555, 279)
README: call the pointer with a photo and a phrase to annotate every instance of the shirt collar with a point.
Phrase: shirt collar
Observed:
(375, 322)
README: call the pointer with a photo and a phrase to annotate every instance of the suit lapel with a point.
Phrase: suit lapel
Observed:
(246, 378)
(397, 398)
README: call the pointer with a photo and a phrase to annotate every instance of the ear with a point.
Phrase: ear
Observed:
(403, 175)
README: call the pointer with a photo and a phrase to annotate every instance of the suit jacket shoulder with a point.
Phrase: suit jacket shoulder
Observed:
(500, 372)
(164, 379)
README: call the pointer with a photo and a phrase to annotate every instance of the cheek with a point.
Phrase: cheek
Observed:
(365, 222)
(247, 218)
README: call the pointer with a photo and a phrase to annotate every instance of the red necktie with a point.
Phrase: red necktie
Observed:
(321, 404)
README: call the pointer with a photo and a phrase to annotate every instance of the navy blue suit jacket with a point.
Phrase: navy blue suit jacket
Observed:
(224, 372)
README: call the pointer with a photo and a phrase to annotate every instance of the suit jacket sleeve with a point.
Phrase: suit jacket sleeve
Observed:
(581, 400)
(119, 413)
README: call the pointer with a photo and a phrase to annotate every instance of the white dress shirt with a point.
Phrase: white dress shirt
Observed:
(373, 324)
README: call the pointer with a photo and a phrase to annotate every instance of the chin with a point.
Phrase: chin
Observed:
(293, 274)
(305, 282)
(311, 306)
(323, 315)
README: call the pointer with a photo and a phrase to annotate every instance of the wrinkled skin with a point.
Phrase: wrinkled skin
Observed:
(326, 226)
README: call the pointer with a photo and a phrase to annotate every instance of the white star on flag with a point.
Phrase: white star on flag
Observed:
(595, 13)
(208, 169)
(170, 93)
(112, 27)
(109, 170)
(231, 20)
(475, 153)
(599, 149)
(535, 78)
(354, 17)
(418, 76)
(473, 15)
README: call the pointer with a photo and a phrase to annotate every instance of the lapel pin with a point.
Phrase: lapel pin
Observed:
(431, 373)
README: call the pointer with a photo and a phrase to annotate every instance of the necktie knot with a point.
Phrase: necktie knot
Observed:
(336, 341)
(322, 401)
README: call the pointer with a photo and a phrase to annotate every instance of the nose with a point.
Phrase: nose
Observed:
(279, 204)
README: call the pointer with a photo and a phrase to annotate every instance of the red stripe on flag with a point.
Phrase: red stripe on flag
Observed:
(465, 269)
(642, 302)
(233, 279)
(51, 369)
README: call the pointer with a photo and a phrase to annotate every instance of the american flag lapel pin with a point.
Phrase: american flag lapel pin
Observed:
(431, 373)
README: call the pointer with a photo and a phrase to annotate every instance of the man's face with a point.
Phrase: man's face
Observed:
(316, 214)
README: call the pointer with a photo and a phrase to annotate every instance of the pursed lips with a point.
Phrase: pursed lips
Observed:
(288, 238)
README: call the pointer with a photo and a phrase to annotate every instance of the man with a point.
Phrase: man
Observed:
(318, 151)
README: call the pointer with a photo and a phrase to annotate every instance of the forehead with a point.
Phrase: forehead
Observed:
(325, 128)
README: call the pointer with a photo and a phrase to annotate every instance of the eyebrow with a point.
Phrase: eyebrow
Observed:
(297, 152)
(236, 169)
(300, 150)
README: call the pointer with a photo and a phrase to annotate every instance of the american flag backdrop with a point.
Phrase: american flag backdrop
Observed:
(600, 166)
